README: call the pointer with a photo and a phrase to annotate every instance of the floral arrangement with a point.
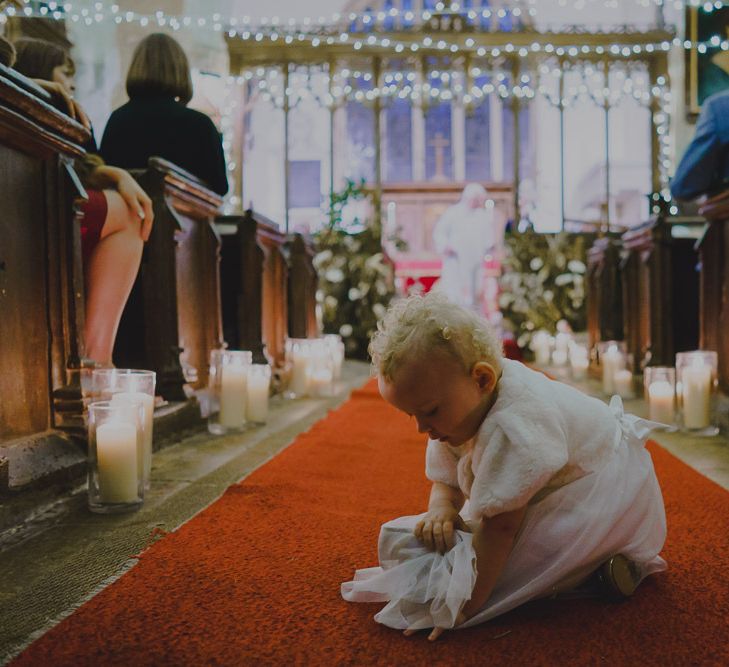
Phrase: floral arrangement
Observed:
(543, 282)
(356, 281)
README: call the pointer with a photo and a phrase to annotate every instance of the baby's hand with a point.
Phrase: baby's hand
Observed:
(437, 529)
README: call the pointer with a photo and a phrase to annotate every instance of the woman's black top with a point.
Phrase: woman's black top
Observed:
(161, 127)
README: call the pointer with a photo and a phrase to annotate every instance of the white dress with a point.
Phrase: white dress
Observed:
(579, 465)
(470, 233)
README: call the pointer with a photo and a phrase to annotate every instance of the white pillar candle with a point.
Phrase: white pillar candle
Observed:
(562, 342)
(541, 344)
(541, 354)
(320, 382)
(612, 361)
(559, 357)
(147, 401)
(696, 383)
(233, 383)
(338, 360)
(257, 397)
(116, 456)
(623, 381)
(300, 363)
(660, 402)
(579, 366)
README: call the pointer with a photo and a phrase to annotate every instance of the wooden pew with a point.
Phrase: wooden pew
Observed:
(604, 291)
(302, 288)
(41, 285)
(254, 280)
(714, 283)
(172, 319)
(660, 292)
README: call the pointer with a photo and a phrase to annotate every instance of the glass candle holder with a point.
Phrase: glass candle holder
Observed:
(541, 344)
(320, 379)
(299, 355)
(659, 383)
(259, 383)
(579, 362)
(623, 381)
(228, 389)
(562, 342)
(696, 386)
(611, 356)
(336, 349)
(115, 447)
(559, 357)
(125, 385)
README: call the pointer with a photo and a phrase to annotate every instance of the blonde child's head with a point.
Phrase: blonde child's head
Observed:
(438, 362)
(419, 326)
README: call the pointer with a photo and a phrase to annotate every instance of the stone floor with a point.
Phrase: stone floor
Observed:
(66, 554)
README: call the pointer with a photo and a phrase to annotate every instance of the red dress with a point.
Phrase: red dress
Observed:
(93, 216)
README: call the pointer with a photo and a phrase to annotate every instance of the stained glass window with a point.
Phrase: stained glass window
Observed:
(398, 128)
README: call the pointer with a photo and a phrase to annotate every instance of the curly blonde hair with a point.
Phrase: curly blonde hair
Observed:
(417, 326)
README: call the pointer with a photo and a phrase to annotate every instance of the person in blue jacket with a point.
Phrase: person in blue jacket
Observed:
(704, 167)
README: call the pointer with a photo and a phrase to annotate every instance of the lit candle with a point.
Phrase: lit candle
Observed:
(623, 381)
(579, 366)
(541, 346)
(259, 379)
(320, 382)
(562, 341)
(660, 402)
(696, 388)
(333, 343)
(233, 383)
(300, 363)
(145, 450)
(338, 360)
(612, 361)
(559, 357)
(116, 455)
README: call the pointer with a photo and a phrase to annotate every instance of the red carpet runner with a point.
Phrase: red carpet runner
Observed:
(254, 579)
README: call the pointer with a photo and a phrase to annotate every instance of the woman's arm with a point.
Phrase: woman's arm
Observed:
(132, 193)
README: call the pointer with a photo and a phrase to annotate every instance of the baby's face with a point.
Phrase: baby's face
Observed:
(447, 403)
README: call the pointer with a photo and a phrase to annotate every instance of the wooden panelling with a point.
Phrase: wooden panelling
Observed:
(172, 319)
(254, 286)
(41, 288)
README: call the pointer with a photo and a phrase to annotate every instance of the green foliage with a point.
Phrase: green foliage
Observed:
(356, 282)
(543, 282)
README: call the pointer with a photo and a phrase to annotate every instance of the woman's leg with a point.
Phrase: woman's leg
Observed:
(110, 274)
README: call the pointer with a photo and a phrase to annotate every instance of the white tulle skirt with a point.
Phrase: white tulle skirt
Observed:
(563, 539)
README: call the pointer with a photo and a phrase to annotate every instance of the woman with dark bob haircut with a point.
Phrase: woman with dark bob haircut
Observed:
(116, 218)
(156, 122)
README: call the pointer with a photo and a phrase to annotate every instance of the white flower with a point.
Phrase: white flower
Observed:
(536, 264)
(345, 330)
(576, 266)
(334, 275)
(354, 294)
(379, 310)
(563, 279)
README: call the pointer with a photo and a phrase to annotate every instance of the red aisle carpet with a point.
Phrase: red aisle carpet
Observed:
(254, 579)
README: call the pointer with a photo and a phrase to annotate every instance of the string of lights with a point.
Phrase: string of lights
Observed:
(319, 32)
(446, 86)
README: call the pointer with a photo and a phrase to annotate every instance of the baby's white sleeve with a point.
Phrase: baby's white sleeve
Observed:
(441, 464)
(512, 469)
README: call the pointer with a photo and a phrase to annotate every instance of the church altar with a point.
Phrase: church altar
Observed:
(411, 211)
